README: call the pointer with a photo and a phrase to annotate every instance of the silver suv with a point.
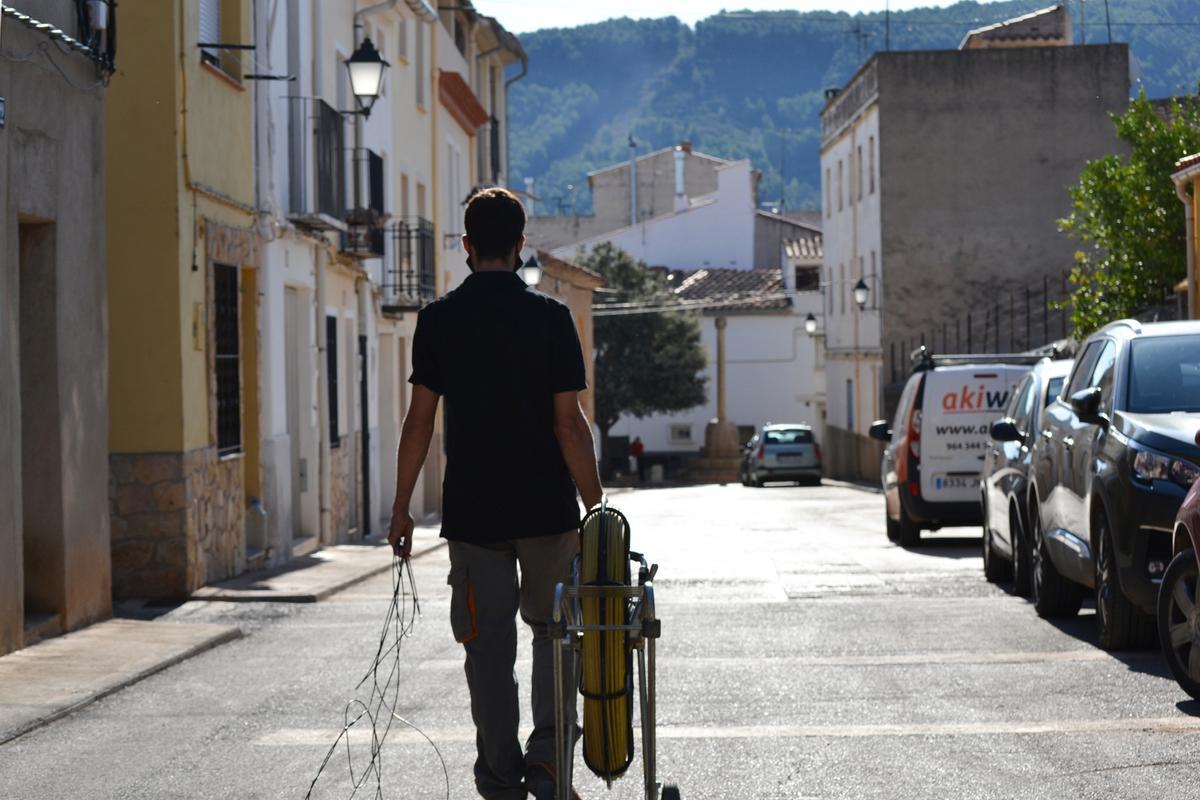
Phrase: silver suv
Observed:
(782, 453)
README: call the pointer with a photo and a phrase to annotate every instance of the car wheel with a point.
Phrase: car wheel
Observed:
(908, 533)
(755, 480)
(1021, 566)
(1053, 595)
(893, 527)
(1122, 625)
(1179, 621)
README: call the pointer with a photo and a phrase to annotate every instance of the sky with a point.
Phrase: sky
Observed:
(523, 16)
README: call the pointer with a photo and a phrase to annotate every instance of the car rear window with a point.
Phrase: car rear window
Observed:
(788, 436)
(1164, 374)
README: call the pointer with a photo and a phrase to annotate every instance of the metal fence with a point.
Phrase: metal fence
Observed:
(1015, 320)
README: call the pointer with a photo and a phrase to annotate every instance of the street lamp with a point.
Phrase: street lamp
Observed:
(366, 68)
(810, 324)
(531, 271)
(861, 293)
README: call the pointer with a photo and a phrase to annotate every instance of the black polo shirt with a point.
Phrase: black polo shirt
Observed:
(497, 352)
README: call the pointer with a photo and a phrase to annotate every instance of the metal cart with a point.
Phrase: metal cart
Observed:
(642, 628)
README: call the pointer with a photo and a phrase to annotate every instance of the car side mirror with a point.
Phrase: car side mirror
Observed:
(1086, 405)
(880, 430)
(1005, 430)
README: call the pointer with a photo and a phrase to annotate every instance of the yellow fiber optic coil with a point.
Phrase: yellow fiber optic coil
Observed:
(606, 679)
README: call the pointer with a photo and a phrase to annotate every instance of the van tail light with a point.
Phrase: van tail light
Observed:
(914, 432)
(762, 452)
(817, 450)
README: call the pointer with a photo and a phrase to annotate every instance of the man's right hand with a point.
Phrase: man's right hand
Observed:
(400, 535)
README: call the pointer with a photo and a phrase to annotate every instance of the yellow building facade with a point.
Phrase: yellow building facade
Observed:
(1187, 186)
(182, 255)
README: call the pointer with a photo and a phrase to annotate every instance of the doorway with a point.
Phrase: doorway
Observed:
(43, 545)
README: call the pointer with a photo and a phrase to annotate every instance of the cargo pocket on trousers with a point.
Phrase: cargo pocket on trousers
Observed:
(462, 605)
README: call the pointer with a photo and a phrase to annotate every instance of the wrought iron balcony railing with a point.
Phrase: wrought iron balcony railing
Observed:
(409, 279)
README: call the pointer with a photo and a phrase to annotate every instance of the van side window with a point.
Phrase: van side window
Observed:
(1082, 375)
(900, 422)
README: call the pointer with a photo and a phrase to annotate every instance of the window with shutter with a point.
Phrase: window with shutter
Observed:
(210, 29)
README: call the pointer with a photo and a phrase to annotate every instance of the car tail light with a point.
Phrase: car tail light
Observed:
(762, 452)
(817, 450)
(914, 432)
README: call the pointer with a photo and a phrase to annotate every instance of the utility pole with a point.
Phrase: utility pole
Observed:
(1108, 21)
(1083, 21)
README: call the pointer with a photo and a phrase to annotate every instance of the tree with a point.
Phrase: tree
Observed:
(1127, 214)
(645, 362)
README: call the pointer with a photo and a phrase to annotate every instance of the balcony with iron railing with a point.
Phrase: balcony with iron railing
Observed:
(409, 277)
(317, 165)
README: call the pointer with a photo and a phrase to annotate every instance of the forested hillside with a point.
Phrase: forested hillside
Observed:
(746, 84)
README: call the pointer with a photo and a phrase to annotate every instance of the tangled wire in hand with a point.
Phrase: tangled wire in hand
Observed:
(378, 710)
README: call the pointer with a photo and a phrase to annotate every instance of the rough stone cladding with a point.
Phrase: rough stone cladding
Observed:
(343, 496)
(178, 521)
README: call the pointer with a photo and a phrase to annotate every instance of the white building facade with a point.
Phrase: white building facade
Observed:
(360, 215)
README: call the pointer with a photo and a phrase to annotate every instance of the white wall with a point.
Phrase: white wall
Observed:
(773, 374)
(852, 235)
(716, 230)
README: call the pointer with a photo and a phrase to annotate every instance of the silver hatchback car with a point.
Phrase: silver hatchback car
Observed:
(782, 453)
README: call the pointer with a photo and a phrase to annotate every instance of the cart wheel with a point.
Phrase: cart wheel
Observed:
(670, 792)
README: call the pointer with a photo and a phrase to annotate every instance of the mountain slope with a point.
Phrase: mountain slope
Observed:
(751, 84)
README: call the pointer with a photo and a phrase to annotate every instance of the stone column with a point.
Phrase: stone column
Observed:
(721, 414)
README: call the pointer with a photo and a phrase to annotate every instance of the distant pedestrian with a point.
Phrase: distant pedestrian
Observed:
(508, 362)
(637, 452)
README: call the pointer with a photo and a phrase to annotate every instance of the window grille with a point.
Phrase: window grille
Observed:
(227, 359)
(210, 29)
(331, 161)
(409, 279)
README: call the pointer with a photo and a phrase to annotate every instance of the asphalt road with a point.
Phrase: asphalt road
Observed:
(803, 656)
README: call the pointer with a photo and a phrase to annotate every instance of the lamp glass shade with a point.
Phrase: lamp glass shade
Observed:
(861, 293)
(366, 68)
(531, 272)
(810, 324)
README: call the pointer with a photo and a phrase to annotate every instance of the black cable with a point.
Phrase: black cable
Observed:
(379, 707)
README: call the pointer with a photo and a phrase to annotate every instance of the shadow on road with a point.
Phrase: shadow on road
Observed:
(957, 547)
(1146, 662)
(1189, 707)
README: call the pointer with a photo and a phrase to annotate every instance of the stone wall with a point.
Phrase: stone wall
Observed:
(178, 521)
(343, 496)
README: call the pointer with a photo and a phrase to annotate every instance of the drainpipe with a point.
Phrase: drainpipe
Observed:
(508, 83)
(1181, 180)
(324, 464)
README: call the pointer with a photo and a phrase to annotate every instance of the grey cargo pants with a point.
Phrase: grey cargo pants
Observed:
(485, 597)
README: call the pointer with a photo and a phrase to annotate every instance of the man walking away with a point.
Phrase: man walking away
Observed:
(507, 361)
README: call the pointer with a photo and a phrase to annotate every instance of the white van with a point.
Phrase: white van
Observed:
(937, 441)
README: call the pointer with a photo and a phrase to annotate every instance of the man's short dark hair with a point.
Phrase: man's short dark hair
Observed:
(495, 221)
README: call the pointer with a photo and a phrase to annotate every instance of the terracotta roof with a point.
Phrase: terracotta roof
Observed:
(805, 248)
(731, 290)
(1047, 24)
(1187, 162)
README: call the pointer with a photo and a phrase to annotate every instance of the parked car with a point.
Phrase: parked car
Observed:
(1178, 608)
(1006, 473)
(937, 439)
(1115, 457)
(782, 453)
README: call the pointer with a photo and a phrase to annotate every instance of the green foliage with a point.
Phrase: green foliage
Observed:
(750, 85)
(645, 363)
(1126, 213)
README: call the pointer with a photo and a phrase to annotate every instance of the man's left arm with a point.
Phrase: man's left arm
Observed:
(410, 457)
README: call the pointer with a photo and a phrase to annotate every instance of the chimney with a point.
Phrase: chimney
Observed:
(529, 191)
(831, 93)
(687, 146)
(681, 198)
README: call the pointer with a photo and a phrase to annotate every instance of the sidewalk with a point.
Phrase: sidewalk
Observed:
(317, 576)
(54, 678)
